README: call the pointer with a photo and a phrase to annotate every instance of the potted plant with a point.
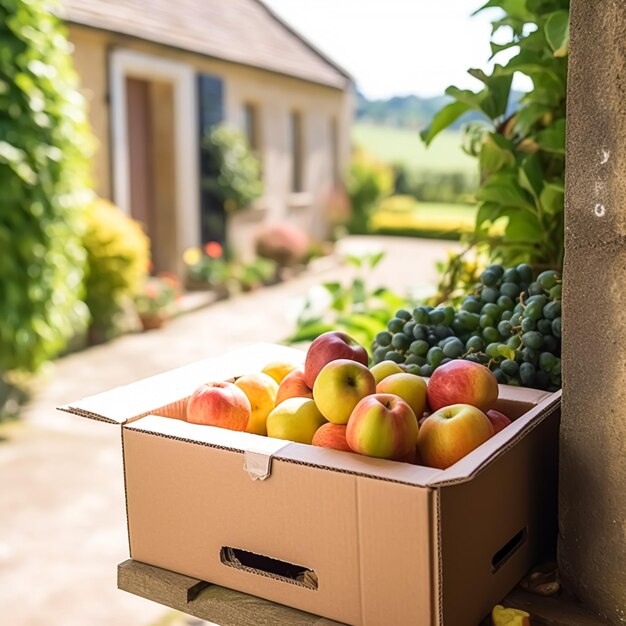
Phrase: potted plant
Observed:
(207, 269)
(156, 301)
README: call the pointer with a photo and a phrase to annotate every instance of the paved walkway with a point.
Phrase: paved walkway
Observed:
(62, 514)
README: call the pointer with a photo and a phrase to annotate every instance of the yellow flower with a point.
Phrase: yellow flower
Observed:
(192, 256)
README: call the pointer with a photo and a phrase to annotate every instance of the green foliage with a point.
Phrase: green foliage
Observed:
(44, 147)
(353, 307)
(234, 177)
(369, 181)
(521, 156)
(157, 296)
(117, 262)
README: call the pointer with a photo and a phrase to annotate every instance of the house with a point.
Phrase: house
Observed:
(159, 74)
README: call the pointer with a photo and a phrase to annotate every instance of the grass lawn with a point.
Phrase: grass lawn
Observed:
(435, 220)
(402, 145)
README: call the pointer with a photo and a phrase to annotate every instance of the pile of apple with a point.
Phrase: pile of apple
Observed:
(337, 402)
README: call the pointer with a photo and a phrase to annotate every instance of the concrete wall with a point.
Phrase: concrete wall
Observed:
(592, 503)
(273, 95)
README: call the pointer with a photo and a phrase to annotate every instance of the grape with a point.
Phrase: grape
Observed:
(413, 359)
(449, 315)
(547, 361)
(476, 344)
(394, 356)
(528, 324)
(454, 348)
(468, 321)
(379, 354)
(420, 315)
(532, 339)
(471, 357)
(506, 303)
(383, 338)
(544, 326)
(527, 373)
(550, 344)
(489, 278)
(471, 304)
(395, 325)
(507, 315)
(413, 368)
(486, 320)
(552, 310)
(489, 294)
(419, 347)
(509, 367)
(498, 270)
(500, 376)
(400, 342)
(444, 361)
(548, 279)
(511, 276)
(534, 310)
(426, 370)
(492, 350)
(556, 327)
(491, 334)
(420, 331)
(408, 328)
(556, 292)
(542, 380)
(514, 342)
(525, 272)
(512, 290)
(435, 356)
(529, 355)
(442, 331)
(432, 339)
(505, 329)
(437, 316)
(493, 310)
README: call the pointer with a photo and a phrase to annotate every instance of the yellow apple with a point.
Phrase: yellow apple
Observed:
(411, 388)
(260, 389)
(385, 368)
(295, 419)
(339, 387)
(279, 369)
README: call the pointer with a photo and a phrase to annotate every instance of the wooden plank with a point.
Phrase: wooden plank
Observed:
(227, 607)
(212, 603)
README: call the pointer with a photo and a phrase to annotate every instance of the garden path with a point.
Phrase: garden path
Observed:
(62, 521)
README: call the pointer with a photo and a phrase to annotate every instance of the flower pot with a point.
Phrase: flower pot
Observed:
(152, 322)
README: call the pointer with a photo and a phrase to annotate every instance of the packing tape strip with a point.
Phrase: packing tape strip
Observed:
(258, 464)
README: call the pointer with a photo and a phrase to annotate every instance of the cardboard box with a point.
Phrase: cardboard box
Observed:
(358, 540)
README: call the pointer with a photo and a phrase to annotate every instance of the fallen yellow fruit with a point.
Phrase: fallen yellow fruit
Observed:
(278, 370)
(501, 616)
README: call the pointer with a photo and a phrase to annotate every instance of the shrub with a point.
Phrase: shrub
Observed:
(522, 156)
(234, 171)
(428, 186)
(44, 147)
(157, 296)
(284, 244)
(117, 262)
(369, 181)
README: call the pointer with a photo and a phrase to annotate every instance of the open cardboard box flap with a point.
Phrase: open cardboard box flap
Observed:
(127, 403)
(158, 399)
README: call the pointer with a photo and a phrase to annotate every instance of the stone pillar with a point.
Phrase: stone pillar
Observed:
(592, 499)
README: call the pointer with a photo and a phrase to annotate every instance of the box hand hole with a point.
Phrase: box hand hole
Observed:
(267, 566)
(509, 549)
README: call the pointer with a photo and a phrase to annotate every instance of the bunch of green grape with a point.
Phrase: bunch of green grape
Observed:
(510, 323)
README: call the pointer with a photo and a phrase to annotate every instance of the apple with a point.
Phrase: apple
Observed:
(384, 426)
(295, 419)
(293, 386)
(278, 370)
(450, 433)
(411, 388)
(331, 436)
(338, 388)
(498, 420)
(329, 347)
(385, 368)
(260, 389)
(219, 404)
(462, 382)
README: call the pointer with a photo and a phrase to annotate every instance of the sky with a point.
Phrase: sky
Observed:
(398, 47)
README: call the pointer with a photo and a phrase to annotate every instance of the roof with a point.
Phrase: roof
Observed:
(241, 31)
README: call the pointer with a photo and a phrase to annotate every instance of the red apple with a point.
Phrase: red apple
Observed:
(462, 382)
(293, 386)
(384, 426)
(450, 433)
(498, 420)
(329, 347)
(339, 387)
(331, 436)
(219, 404)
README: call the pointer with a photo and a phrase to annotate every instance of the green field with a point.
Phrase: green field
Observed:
(403, 145)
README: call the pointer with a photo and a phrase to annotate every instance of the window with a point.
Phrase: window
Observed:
(251, 125)
(297, 151)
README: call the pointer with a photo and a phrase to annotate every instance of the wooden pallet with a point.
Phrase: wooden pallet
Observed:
(231, 608)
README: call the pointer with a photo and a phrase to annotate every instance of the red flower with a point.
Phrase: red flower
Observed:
(213, 250)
